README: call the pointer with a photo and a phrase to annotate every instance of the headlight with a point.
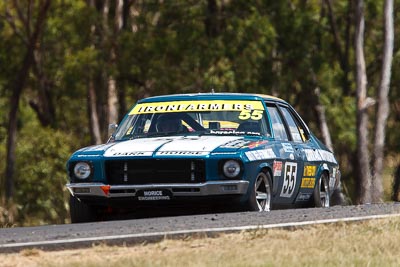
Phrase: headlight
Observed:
(231, 168)
(82, 170)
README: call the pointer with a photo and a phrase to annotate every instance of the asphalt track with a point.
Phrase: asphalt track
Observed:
(139, 230)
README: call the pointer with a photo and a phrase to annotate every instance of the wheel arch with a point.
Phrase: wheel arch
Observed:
(324, 169)
(267, 167)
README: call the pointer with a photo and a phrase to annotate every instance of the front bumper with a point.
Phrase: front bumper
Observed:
(212, 188)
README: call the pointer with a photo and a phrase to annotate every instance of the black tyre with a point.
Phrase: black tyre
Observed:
(321, 192)
(81, 212)
(261, 193)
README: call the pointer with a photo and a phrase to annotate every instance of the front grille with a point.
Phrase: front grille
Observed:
(154, 171)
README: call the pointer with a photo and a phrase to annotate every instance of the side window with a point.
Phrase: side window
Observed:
(295, 129)
(277, 124)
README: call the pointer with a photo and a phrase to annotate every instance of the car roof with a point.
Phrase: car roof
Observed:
(211, 96)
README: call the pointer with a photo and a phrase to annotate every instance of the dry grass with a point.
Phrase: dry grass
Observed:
(372, 243)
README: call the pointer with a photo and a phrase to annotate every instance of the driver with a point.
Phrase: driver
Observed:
(169, 123)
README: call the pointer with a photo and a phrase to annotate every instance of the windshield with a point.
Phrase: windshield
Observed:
(211, 117)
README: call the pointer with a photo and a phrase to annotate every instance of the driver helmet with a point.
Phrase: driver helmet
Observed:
(168, 123)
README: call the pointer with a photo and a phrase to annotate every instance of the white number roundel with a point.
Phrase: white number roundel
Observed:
(289, 181)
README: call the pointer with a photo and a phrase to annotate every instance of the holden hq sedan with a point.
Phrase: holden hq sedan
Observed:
(246, 151)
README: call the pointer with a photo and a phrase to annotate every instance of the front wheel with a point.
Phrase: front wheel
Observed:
(260, 195)
(321, 192)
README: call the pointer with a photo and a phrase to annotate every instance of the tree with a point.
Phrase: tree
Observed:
(362, 103)
(112, 91)
(32, 30)
(92, 93)
(382, 110)
(370, 187)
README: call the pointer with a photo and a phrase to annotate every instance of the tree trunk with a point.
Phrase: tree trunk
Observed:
(343, 57)
(383, 104)
(396, 185)
(213, 22)
(18, 87)
(320, 111)
(336, 36)
(363, 170)
(112, 98)
(92, 95)
(12, 128)
(43, 105)
(326, 136)
(93, 114)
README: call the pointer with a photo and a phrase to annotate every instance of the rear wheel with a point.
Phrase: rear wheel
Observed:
(260, 195)
(321, 192)
(81, 212)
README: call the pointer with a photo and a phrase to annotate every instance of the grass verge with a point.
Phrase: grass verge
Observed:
(371, 243)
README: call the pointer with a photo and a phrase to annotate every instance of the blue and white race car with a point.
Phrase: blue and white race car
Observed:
(253, 152)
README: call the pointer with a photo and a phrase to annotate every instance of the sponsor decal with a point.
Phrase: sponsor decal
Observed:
(172, 146)
(287, 148)
(250, 114)
(96, 148)
(203, 144)
(308, 182)
(151, 195)
(319, 155)
(90, 156)
(243, 143)
(289, 181)
(134, 148)
(304, 196)
(196, 105)
(223, 153)
(312, 155)
(235, 144)
(260, 154)
(225, 132)
(327, 156)
(181, 153)
(309, 170)
(133, 153)
(277, 168)
(256, 144)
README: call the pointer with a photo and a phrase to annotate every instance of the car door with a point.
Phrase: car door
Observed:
(288, 166)
(301, 142)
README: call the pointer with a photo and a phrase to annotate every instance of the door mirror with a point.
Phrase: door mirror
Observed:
(112, 128)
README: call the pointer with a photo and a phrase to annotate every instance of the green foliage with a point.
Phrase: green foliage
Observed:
(41, 174)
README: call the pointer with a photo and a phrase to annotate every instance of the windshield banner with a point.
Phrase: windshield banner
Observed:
(200, 105)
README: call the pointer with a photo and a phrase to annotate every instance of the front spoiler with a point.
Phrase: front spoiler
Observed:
(212, 188)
